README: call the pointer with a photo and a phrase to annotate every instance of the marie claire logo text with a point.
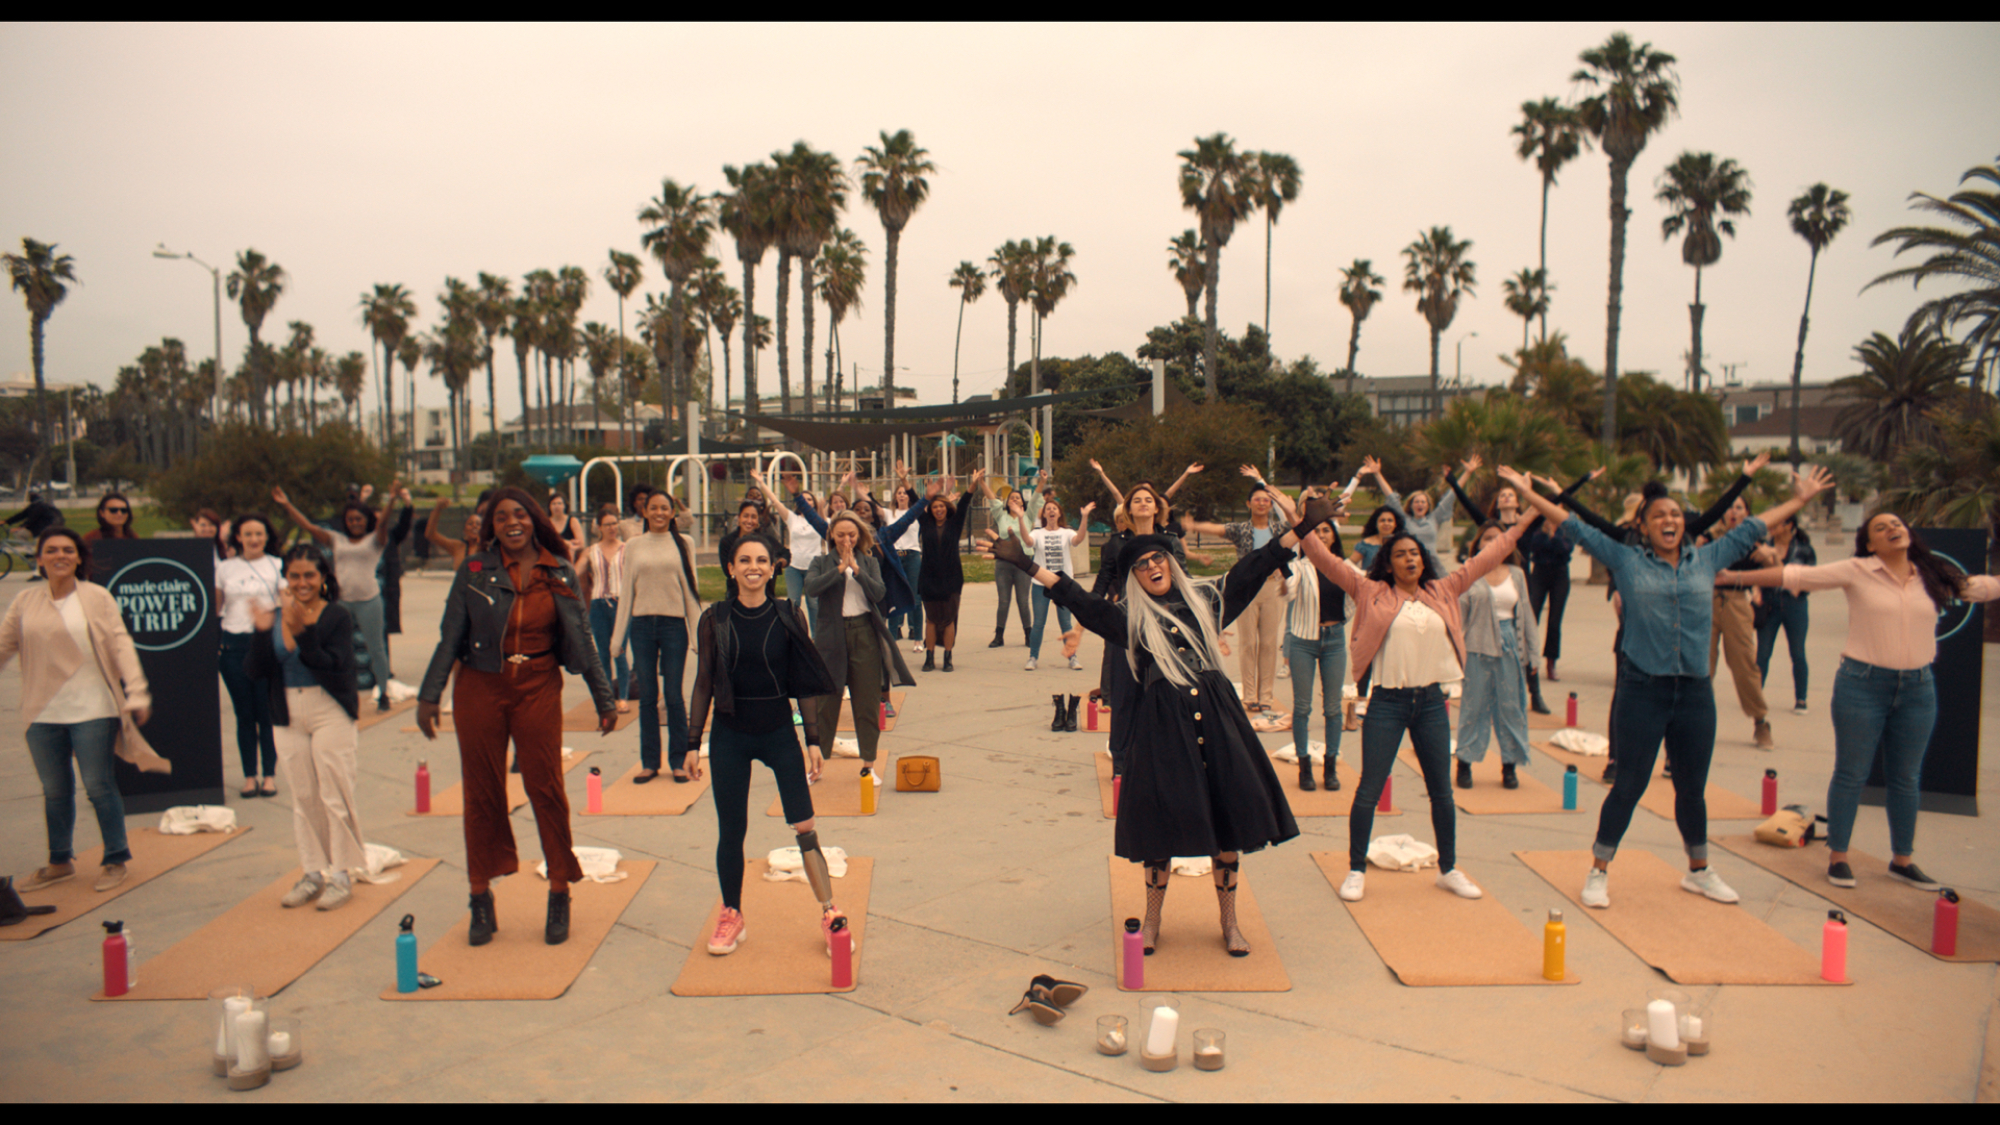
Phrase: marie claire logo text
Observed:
(163, 603)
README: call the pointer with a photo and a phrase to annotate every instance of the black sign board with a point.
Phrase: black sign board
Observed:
(166, 593)
(1951, 766)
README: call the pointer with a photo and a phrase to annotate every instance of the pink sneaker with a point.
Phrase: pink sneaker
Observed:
(826, 931)
(729, 931)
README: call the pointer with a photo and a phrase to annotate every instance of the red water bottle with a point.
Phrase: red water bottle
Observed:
(595, 793)
(1770, 792)
(1944, 924)
(882, 715)
(117, 962)
(841, 943)
(1117, 783)
(1090, 714)
(1572, 709)
(1833, 948)
(1382, 805)
(423, 785)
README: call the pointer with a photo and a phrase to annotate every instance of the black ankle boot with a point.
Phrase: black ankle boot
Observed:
(999, 638)
(1465, 775)
(1057, 723)
(1332, 778)
(1507, 778)
(1069, 718)
(12, 910)
(484, 924)
(557, 930)
(1306, 775)
(1535, 693)
(930, 660)
(947, 660)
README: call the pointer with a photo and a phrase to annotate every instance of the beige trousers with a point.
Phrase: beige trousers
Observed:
(317, 755)
(1735, 630)
(1260, 633)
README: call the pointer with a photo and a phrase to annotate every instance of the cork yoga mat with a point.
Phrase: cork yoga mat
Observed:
(451, 802)
(1320, 802)
(153, 854)
(1899, 908)
(1659, 797)
(371, 717)
(1686, 936)
(1487, 797)
(662, 796)
(1589, 767)
(260, 943)
(838, 791)
(1190, 956)
(518, 964)
(783, 951)
(1430, 937)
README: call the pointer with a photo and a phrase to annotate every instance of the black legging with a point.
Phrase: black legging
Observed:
(730, 752)
(1549, 582)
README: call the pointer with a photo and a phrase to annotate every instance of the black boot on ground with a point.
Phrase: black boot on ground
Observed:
(1507, 778)
(1069, 717)
(1057, 723)
(557, 930)
(1465, 775)
(930, 660)
(1306, 775)
(483, 922)
(1535, 694)
(999, 638)
(947, 660)
(12, 910)
(1332, 779)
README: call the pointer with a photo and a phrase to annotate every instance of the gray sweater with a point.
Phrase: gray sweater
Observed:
(1482, 628)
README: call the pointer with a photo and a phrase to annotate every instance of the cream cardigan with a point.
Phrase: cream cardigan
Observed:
(54, 658)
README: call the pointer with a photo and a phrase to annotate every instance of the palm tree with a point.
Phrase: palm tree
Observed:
(1185, 262)
(525, 327)
(1637, 91)
(386, 313)
(1678, 431)
(491, 311)
(746, 214)
(256, 284)
(572, 290)
(1701, 192)
(1551, 136)
(411, 353)
(38, 274)
(538, 291)
(1012, 265)
(623, 275)
(601, 350)
(1816, 216)
(1527, 296)
(725, 310)
(350, 376)
(1971, 255)
(892, 177)
(1901, 382)
(843, 270)
(292, 368)
(1049, 280)
(1436, 270)
(682, 219)
(810, 192)
(1358, 293)
(1273, 182)
(1214, 182)
(970, 281)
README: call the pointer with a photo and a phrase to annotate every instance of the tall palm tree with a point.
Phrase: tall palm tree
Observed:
(623, 275)
(1214, 182)
(1701, 193)
(1012, 266)
(538, 289)
(893, 179)
(292, 368)
(1551, 136)
(572, 290)
(843, 271)
(725, 311)
(1816, 216)
(1971, 255)
(682, 221)
(1436, 270)
(411, 352)
(746, 213)
(970, 281)
(525, 328)
(1359, 293)
(1678, 431)
(1185, 262)
(704, 290)
(810, 192)
(491, 311)
(256, 284)
(350, 377)
(386, 313)
(1901, 382)
(1637, 90)
(1527, 296)
(1274, 182)
(601, 350)
(38, 274)
(1049, 281)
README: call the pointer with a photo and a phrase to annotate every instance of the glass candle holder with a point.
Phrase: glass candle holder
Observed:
(1697, 1025)
(287, 1049)
(1632, 1028)
(225, 1004)
(1112, 1036)
(1208, 1045)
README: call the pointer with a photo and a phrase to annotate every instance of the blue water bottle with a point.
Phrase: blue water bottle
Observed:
(406, 955)
(1569, 789)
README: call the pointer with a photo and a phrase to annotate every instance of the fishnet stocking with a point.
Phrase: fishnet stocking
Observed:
(1156, 897)
(1226, 866)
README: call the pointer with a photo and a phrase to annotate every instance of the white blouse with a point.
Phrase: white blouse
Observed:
(1417, 651)
(243, 583)
(85, 696)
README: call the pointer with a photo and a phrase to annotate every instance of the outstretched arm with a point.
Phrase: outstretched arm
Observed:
(320, 535)
(1717, 510)
(1471, 506)
(1117, 497)
(1182, 479)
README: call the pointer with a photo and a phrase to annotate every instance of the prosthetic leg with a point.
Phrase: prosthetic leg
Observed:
(1226, 866)
(821, 881)
(1157, 875)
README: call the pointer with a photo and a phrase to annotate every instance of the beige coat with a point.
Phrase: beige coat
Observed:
(34, 623)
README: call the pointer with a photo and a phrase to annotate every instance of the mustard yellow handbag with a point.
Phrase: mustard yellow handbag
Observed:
(917, 773)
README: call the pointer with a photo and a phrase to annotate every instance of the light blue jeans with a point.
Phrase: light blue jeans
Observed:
(375, 674)
(1326, 655)
(1495, 702)
(603, 618)
(1879, 710)
(90, 743)
(795, 589)
(1040, 597)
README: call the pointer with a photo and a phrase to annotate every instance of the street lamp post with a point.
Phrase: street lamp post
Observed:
(215, 274)
(1458, 365)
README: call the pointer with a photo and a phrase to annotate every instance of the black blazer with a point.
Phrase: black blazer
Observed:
(326, 649)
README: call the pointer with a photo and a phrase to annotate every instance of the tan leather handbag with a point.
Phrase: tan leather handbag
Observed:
(1788, 828)
(917, 773)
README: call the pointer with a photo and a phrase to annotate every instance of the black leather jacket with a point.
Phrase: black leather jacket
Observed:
(475, 623)
(715, 653)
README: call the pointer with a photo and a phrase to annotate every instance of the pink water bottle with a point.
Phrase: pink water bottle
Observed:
(1572, 709)
(1770, 792)
(842, 947)
(595, 792)
(1383, 804)
(423, 785)
(1117, 783)
(1944, 924)
(1833, 948)
(1132, 976)
(117, 961)
(1090, 714)
(882, 714)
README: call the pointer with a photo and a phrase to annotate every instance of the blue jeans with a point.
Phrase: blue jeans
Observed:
(911, 562)
(1421, 712)
(1646, 711)
(1495, 703)
(603, 616)
(659, 654)
(368, 618)
(1328, 656)
(90, 743)
(1040, 597)
(1012, 585)
(1788, 610)
(1879, 710)
(795, 589)
(251, 700)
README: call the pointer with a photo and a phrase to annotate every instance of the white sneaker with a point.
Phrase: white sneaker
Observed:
(1799, 708)
(918, 648)
(1030, 665)
(1351, 887)
(1707, 882)
(877, 775)
(306, 890)
(1456, 882)
(1075, 665)
(1594, 894)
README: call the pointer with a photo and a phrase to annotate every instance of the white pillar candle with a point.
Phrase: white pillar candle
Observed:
(225, 1038)
(1690, 1027)
(1660, 1025)
(281, 1044)
(1160, 1038)
(250, 1051)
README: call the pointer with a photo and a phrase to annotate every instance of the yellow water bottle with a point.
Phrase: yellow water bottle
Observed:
(867, 792)
(1552, 947)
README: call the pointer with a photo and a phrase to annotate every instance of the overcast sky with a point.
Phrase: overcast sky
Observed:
(354, 155)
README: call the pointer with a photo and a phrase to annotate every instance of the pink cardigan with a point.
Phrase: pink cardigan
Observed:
(34, 628)
(1377, 603)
